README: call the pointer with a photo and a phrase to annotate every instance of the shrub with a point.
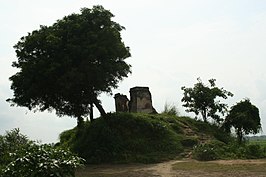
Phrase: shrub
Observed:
(236, 151)
(9, 143)
(205, 152)
(209, 151)
(218, 150)
(42, 161)
(67, 137)
(254, 151)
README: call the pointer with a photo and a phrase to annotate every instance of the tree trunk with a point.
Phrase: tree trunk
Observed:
(80, 122)
(99, 107)
(91, 112)
(204, 115)
(239, 135)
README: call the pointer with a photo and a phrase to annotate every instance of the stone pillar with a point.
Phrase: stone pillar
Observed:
(121, 103)
(140, 100)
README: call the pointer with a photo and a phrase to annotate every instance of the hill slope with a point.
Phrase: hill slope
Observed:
(127, 137)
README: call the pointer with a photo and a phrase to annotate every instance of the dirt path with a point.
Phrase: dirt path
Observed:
(129, 170)
(165, 169)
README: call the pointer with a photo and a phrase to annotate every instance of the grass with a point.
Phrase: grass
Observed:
(183, 168)
(151, 138)
(258, 142)
(144, 138)
(124, 138)
(218, 167)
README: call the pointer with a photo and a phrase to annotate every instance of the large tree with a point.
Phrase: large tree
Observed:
(203, 99)
(65, 66)
(245, 119)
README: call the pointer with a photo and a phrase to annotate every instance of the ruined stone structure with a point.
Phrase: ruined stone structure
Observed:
(121, 103)
(140, 101)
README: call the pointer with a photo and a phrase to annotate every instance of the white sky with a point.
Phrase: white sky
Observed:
(172, 43)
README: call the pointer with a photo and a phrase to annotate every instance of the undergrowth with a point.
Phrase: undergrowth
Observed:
(215, 150)
(127, 137)
(149, 138)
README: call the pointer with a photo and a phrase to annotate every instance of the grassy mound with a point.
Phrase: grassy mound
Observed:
(146, 138)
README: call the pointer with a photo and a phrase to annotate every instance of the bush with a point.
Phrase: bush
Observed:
(20, 157)
(209, 151)
(9, 143)
(254, 151)
(232, 150)
(67, 137)
(205, 152)
(218, 150)
(42, 161)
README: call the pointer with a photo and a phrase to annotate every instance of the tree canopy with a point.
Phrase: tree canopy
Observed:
(245, 119)
(202, 99)
(65, 66)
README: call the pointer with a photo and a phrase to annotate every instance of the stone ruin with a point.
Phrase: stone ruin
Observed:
(140, 101)
(121, 103)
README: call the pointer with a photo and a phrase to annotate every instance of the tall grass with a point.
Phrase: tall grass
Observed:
(124, 138)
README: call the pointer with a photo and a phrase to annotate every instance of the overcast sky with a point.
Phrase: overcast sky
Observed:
(172, 43)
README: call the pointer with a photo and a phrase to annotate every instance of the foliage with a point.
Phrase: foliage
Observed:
(189, 142)
(201, 99)
(170, 109)
(245, 119)
(208, 151)
(199, 127)
(124, 137)
(64, 67)
(136, 137)
(42, 161)
(246, 151)
(148, 138)
(10, 142)
(260, 138)
(218, 150)
(261, 142)
(20, 157)
(255, 151)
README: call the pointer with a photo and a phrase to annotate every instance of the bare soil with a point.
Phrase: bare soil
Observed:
(220, 168)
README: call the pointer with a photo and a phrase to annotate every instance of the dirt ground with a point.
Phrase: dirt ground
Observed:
(165, 169)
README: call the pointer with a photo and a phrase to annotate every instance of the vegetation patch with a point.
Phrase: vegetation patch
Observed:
(215, 150)
(128, 137)
(21, 157)
(220, 167)
(124, 138)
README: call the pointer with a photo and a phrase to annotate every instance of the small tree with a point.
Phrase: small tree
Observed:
(201, 99)
(245, 119)
(66, 66)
